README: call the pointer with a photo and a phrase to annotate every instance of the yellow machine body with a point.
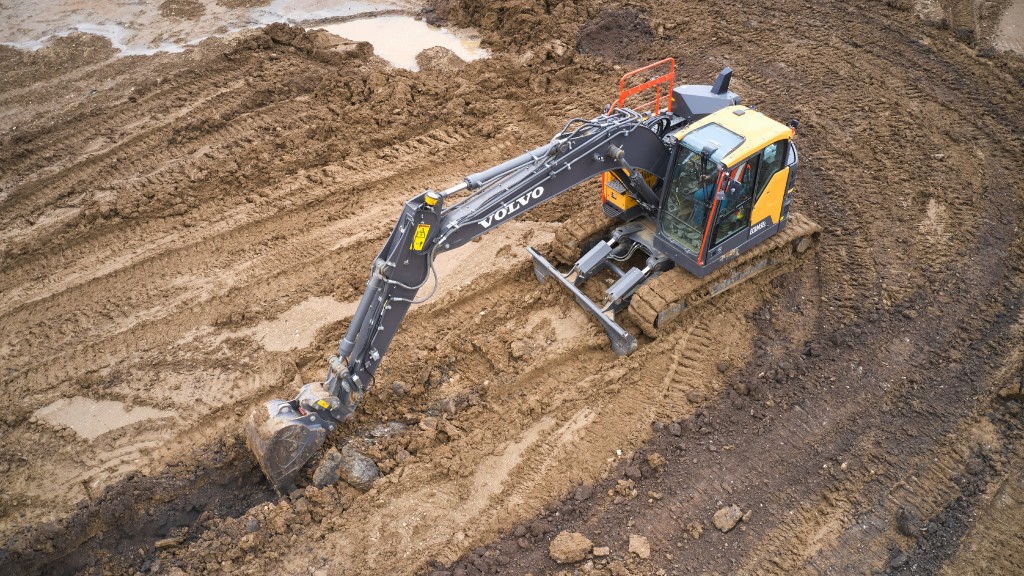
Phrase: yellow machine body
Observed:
(613, 192)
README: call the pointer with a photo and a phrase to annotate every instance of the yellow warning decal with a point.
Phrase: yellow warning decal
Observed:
(420, 238)
(323, 404)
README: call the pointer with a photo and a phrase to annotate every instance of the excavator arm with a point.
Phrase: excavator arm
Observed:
(284, 435)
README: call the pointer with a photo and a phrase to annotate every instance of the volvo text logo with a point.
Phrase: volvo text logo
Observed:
(517, 204)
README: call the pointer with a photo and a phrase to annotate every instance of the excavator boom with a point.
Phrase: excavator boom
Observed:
(285, 434)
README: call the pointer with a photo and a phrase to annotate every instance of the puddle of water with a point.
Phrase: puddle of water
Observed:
(297, 327)
(138, 28)
(89, 418)
(398, 39)
(1010, 35)
(300, 10)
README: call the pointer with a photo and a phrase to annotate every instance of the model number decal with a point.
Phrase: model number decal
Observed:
(759, 226)
(517, 204)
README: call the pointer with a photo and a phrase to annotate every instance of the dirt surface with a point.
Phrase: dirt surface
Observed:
(189, 233)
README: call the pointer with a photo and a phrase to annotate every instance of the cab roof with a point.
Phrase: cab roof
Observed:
(755, 129)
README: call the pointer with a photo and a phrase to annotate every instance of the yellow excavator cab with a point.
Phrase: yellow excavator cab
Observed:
(756, 130)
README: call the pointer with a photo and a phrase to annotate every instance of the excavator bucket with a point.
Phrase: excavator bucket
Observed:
(283, 440)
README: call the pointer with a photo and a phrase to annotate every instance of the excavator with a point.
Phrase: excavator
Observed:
(697, 190)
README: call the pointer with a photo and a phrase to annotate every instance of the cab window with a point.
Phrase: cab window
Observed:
(773, 158)
(734, 209)
(689, 200)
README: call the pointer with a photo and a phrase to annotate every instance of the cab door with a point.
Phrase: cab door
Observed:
(732, 214)
(751, 188)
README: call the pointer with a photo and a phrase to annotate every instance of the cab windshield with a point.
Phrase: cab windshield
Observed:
(692, 185)
(690, 195)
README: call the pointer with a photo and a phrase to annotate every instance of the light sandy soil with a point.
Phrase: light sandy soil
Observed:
(186, 233)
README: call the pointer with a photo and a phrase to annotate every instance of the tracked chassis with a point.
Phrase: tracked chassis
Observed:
(655, 295)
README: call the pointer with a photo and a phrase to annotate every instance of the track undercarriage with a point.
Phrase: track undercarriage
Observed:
(658, 293)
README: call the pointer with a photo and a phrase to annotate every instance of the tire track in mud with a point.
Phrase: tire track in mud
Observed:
(932, 487)
(536, 436)
(233, 236)
(991, 542)
(181, 307)
(136, 108)
(160, 237)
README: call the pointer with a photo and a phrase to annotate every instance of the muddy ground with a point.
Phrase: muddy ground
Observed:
(188, 233)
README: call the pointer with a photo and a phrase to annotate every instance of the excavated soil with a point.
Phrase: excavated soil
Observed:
(187, 234)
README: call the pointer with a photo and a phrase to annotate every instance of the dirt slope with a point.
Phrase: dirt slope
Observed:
(189, 233)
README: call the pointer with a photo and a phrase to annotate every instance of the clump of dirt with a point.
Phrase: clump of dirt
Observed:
(62, 54)
(615, 34)
(185, 9)
(507, 23)
(318, 44)
(439, 59)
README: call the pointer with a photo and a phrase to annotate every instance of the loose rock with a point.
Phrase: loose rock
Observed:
(358, 469)
(569, 547)
(727, 518)
(633, 473)
(640, 546)
(898, 560)
(328, 472)
(907, 523)
(168, 543)
(583, 493)
(540, 528)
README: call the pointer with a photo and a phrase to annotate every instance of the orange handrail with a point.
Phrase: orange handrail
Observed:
(667, 79)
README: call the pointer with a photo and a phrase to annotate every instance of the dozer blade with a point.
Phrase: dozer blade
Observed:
(623, 343)
(283, 440)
